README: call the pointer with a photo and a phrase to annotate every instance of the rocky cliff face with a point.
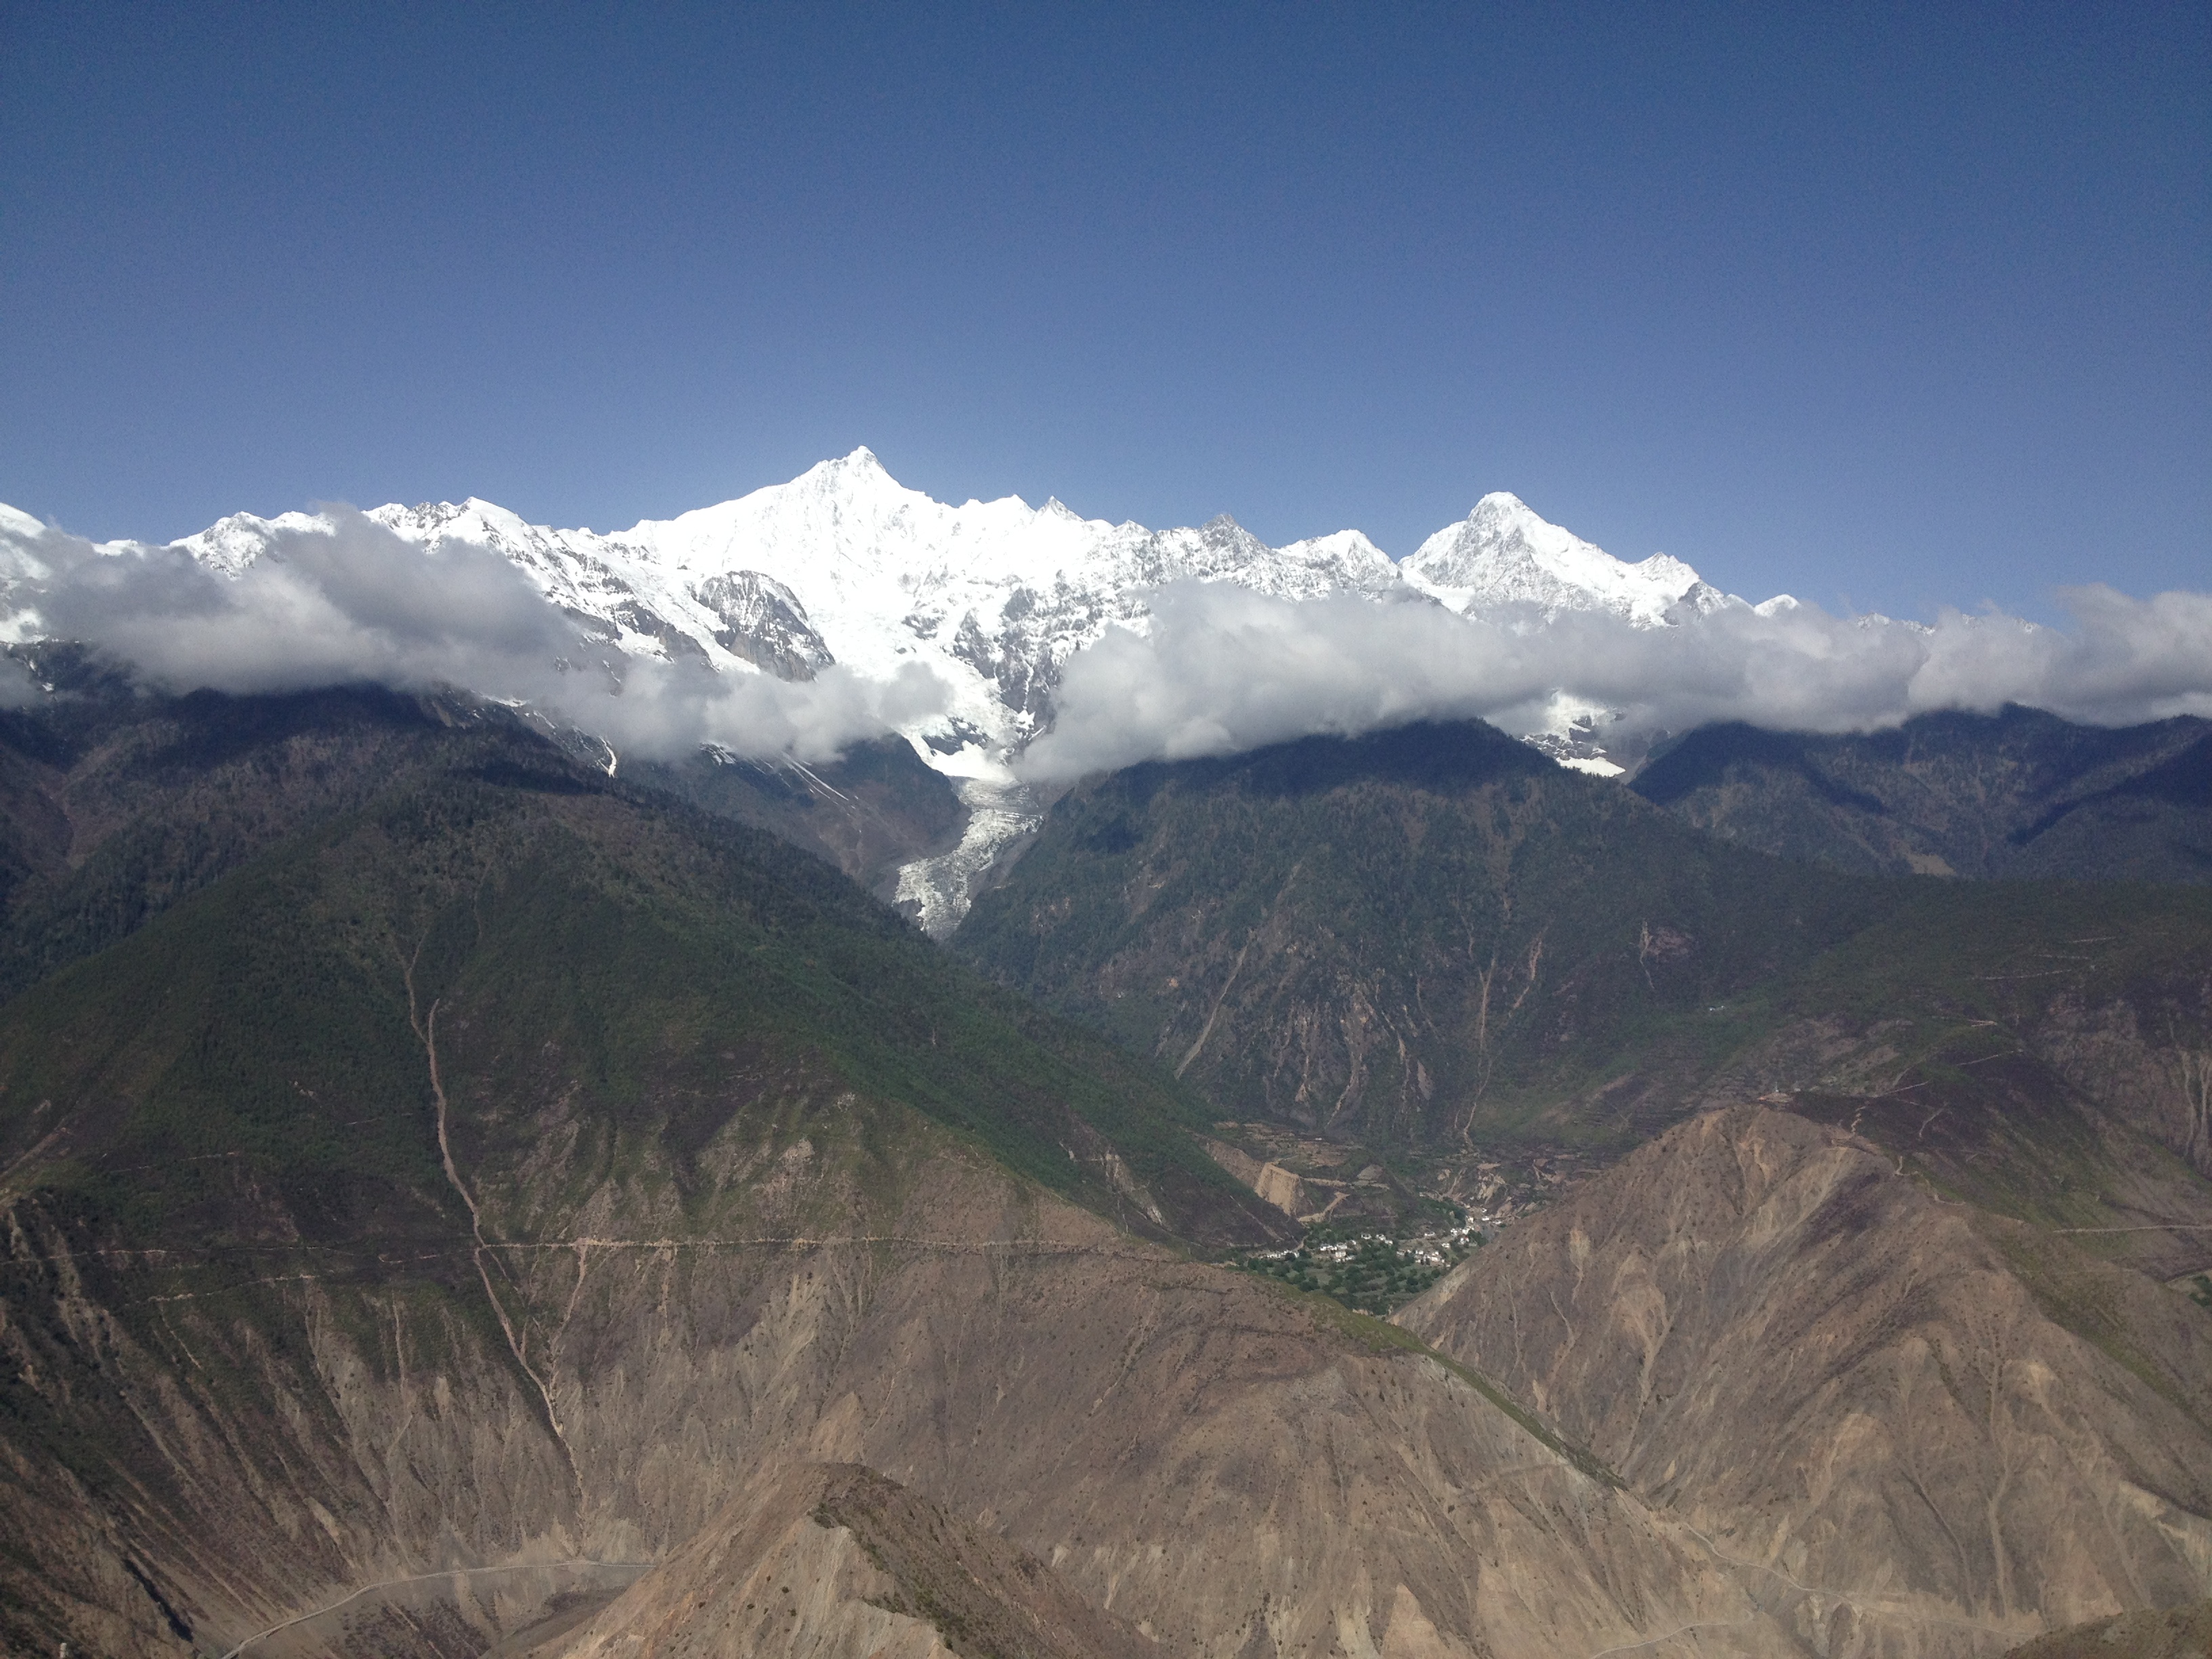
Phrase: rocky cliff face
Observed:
(1856, 1390)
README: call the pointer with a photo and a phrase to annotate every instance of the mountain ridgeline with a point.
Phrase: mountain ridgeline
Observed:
(1414, 936)
(1430, 936)
(2019, 793)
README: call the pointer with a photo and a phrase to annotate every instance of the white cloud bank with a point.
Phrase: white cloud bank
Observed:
(1221, 669)
(355, 604)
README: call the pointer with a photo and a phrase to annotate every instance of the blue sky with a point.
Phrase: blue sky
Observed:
(1890, 307)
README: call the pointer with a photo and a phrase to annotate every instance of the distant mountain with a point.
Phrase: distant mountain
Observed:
(844, 565)
(2018, 793)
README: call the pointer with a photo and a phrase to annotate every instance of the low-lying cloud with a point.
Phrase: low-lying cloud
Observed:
(1215, 669)
(1221, 669)
(355, 603)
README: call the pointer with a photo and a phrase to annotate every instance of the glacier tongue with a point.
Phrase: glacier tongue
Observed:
(845, 565)
(936, 891)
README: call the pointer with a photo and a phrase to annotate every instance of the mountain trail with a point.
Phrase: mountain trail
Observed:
(423, 1578)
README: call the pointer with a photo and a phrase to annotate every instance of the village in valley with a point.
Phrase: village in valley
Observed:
(1376, 1236)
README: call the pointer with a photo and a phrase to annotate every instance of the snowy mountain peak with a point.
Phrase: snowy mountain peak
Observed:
(232, 543)
(1503, 553)
(844, 565)
(858, 473)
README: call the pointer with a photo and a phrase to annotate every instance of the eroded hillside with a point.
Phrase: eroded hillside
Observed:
(1867, 1394)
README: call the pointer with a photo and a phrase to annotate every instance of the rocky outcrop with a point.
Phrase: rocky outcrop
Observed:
(764, 622)
(1857, 1392)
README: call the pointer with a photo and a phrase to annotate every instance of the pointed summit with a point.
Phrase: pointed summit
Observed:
(858, 471)
(1504, 553)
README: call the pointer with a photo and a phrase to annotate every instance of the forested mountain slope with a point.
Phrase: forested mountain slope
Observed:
(1408, 937)
(2018, 793)
(1426, 937)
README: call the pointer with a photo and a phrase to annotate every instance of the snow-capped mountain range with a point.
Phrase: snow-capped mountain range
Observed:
(843, 564)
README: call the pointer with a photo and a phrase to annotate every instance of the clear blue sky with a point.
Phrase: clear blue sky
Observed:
(1886, 305)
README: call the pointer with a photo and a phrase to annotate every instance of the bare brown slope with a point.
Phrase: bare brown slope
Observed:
(1780, 1342)
(835, 1560)
(2169, 1633)
(1187, 1448)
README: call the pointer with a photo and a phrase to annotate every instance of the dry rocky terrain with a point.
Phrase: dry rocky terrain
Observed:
(1858, 1392)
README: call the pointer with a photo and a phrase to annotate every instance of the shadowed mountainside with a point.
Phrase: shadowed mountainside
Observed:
(1402, 938)
(2018, 793)
(114, 804)
(873, 809)
(1431, 935)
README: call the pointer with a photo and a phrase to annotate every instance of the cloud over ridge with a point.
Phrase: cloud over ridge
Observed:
(1221, 670)
(1209, 667)
(347, 601)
